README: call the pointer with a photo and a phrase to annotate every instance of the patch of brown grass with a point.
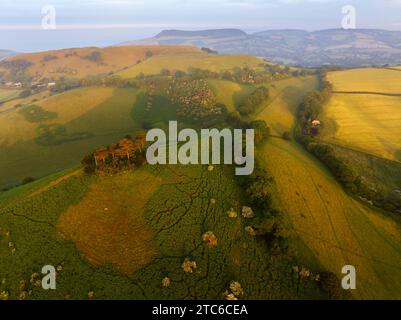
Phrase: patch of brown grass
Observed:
(108, 225)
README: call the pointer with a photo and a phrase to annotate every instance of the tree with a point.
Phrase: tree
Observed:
(94, 56)
(330, 284)
(25, 93)
(149, 54)
(27, 180)
(89, 163)
(262, 131)
(252, 102)
(287, 135)
(165, 72)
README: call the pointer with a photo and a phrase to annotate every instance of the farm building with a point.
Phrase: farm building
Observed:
(316, 123)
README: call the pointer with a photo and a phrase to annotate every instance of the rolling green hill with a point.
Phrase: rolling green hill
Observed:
(82, 62)
(139, 234)
(120, 236)
(62, 129)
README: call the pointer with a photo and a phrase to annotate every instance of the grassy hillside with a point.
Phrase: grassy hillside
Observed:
(161, 212)
(330, 228)
(118, 235)
(366, 79)
(186, 61)
(56, 132)
(81, 62)
(8, 94)
(229, 93)
(279, 110)
(370, 123)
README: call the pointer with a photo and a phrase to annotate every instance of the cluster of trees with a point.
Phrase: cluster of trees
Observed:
(127, 153)
(49, 57)
(110, 81)
(268, 225)
(331, 285)
(208, 50)
(24, 181)
(25, 93)
(388, 201)
(16, 65)
(344, 173)
(253, 101)
(262, 130)
(65, 84)
(257, 188)
(243, 75)
(16, 70)
(246, 75)
(94, 56)
(195, 100)
(312, 106)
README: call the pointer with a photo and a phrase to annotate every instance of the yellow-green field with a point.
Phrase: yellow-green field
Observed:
(280, 109)
(68, 106)
(366, 79)
(230, 93)
(186, 61)
(98, 116)
(7, 94)
(330, 228)
(365, 122)
(369, 123)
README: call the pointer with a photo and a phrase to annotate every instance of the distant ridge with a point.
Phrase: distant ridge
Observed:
(6, 53)
(203, 33)
(347, 48)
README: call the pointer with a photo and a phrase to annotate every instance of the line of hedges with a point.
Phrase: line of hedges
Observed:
(306, 134)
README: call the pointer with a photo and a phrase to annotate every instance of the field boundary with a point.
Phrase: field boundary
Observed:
(369, 92)
(340, 145)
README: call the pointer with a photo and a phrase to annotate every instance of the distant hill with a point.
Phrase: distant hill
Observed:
(81, 62)
(348, 48)
(5, 54)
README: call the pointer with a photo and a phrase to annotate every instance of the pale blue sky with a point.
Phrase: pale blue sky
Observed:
(103, 22)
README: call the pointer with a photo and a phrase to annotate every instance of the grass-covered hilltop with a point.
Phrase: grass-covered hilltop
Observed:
(78, 194)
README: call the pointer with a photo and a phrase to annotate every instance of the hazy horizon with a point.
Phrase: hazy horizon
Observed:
(107, 22)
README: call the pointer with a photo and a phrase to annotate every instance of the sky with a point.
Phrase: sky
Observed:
(106, 22)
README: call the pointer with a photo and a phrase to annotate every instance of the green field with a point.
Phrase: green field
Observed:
(330, 228)
(118, 235)
(85, 119)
